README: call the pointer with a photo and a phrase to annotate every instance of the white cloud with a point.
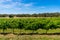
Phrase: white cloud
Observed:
(15, 5)
(6, 6)
(4, 0)
(11, 5)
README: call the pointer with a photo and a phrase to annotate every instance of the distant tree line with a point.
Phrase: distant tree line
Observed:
(32, 15)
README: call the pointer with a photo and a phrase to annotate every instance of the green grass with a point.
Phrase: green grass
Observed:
(30, 31)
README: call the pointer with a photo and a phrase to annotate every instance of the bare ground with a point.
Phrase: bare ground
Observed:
(29, 37)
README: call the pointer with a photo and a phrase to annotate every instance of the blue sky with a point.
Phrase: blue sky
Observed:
(29, 6)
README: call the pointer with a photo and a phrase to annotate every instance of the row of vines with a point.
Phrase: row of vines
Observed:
(29, 23)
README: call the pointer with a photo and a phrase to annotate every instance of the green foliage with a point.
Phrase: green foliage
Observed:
(29, 23)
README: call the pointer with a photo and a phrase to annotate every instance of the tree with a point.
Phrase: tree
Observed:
(11, 16)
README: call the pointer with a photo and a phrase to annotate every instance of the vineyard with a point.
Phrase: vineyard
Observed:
(29, 25)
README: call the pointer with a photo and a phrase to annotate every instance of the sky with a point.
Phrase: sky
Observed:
(29, 6)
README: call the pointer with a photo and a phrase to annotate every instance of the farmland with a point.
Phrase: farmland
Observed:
(27, 28)
(30, 25)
